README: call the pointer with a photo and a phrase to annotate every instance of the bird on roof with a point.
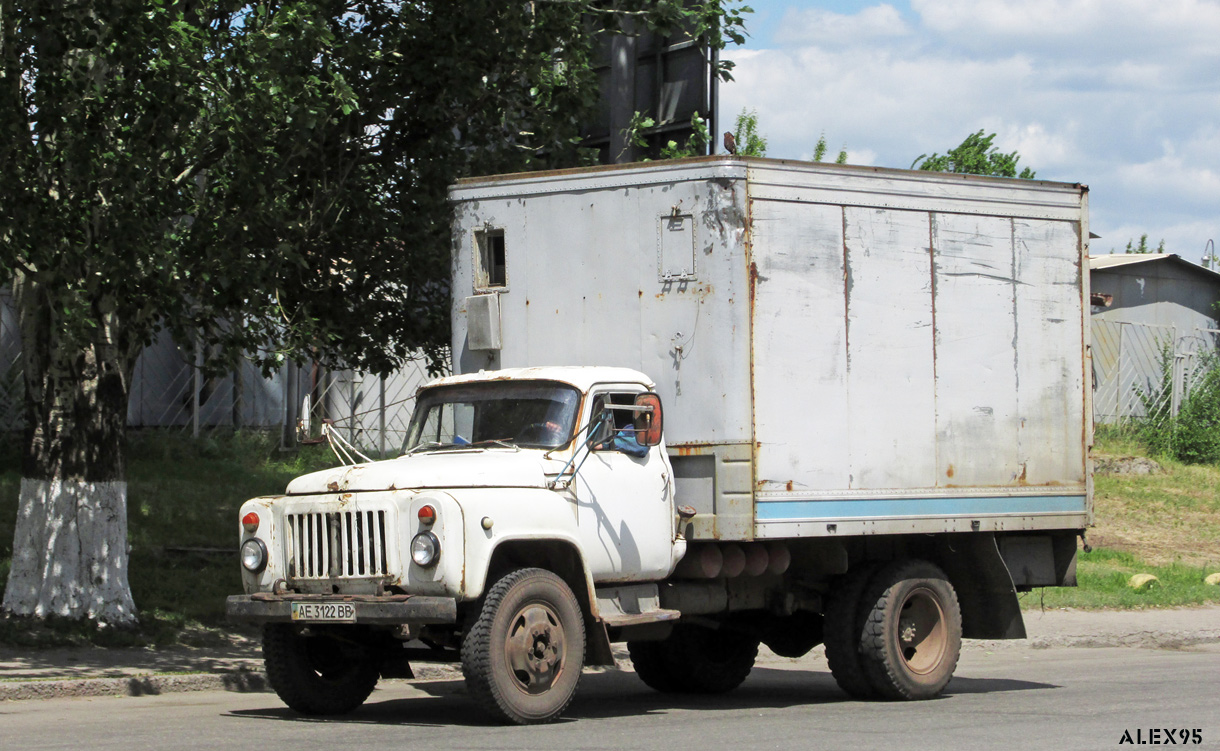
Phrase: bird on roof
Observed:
(730, 143)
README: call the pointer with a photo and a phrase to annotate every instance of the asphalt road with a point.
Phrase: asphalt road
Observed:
(1063, 698)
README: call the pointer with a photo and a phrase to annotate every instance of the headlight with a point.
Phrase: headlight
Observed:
(254, 555)
(425, 549)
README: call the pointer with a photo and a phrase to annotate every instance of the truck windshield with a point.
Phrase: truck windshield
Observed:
(533, 414)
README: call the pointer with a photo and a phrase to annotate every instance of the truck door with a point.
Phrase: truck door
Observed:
(624, 501)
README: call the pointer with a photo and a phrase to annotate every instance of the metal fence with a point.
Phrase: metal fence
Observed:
(1143, 371)
(169, 391)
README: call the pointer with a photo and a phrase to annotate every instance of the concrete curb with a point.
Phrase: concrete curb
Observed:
(155, 684)
(138, 685)
(1141, 639)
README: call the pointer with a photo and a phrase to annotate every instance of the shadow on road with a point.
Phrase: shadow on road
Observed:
(621, 694)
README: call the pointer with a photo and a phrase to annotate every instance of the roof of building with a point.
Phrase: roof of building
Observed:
(1104, 262)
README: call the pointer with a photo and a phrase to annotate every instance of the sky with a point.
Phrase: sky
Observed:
(1121, 95)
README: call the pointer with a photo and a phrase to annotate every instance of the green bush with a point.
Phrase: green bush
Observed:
(1196, 432)
(1193, 436)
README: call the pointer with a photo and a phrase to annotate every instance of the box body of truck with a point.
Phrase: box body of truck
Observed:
(842, 351)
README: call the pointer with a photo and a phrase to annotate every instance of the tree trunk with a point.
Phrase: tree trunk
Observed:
(70, 542)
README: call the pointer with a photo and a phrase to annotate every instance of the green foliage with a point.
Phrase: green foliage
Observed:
(974, 156)
(274, 175)
(1193, 436)
(1142, 247)
(819, 151)
(745, 132)
(1196, 435)
(695, 145)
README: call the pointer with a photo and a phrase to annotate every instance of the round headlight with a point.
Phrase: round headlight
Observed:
(254, 555)
(425, 549)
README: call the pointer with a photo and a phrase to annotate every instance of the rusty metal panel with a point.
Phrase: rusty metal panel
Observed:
(1049, 332)
(648, 276)
(799, 348)
(890, 366)
(976, 378)
(913, 190)
(717, 481)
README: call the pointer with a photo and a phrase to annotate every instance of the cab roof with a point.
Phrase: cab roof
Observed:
(582, 377)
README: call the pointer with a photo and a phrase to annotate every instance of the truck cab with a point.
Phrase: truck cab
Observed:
(537, 483)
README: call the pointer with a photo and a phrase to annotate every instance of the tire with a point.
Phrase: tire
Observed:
(912, 632)
(843, 632)
(317, 675)
(523, 654)
(695, 660)
(651, 662)
(794, 635)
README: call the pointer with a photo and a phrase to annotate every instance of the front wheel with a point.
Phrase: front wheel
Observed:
(523, 654)
(912, 633)
(318, 674)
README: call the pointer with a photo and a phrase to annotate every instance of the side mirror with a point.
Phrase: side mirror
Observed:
(647, 420)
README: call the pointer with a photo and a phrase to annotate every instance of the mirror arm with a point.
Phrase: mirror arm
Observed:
(591, 430)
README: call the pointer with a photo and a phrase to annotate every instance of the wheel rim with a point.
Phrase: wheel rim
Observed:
(921, 633)
(534, 648)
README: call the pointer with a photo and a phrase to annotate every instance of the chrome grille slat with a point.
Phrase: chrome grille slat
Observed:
(342, 544)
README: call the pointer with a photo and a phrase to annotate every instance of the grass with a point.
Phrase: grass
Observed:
(1102, 583)
(182, 493)
(1165, 524)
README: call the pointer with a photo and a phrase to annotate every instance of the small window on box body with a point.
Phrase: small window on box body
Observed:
(489, 257)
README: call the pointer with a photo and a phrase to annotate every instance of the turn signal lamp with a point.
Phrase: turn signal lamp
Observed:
(249, 522)
(427, 515)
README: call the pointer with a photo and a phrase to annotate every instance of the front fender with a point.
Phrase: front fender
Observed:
(494, 517)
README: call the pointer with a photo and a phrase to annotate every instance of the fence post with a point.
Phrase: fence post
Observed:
(197, 382)
(351, 406)
(288, 436)
(238, 393)
(381, 415)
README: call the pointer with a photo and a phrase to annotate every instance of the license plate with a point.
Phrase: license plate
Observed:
(324, 612)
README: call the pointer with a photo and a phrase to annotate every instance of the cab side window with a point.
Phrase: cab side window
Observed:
(617, 432)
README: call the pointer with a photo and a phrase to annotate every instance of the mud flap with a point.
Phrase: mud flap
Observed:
(990, 608)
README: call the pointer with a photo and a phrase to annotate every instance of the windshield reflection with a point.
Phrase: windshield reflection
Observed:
(528, 414)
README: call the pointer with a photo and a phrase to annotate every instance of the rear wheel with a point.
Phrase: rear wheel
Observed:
(318, 674)
(523, 654)
(695, 660)
(912, 632)
(843, 631)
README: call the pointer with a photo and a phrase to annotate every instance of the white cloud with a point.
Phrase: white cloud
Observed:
(1176, 179)
(826, 27)
(1118, 27)
(1122, 95)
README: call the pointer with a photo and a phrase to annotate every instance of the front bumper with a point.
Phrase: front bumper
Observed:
(387, 610)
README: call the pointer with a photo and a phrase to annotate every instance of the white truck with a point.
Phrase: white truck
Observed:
(704, 405)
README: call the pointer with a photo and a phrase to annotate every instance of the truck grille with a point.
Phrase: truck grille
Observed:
(338, 544)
